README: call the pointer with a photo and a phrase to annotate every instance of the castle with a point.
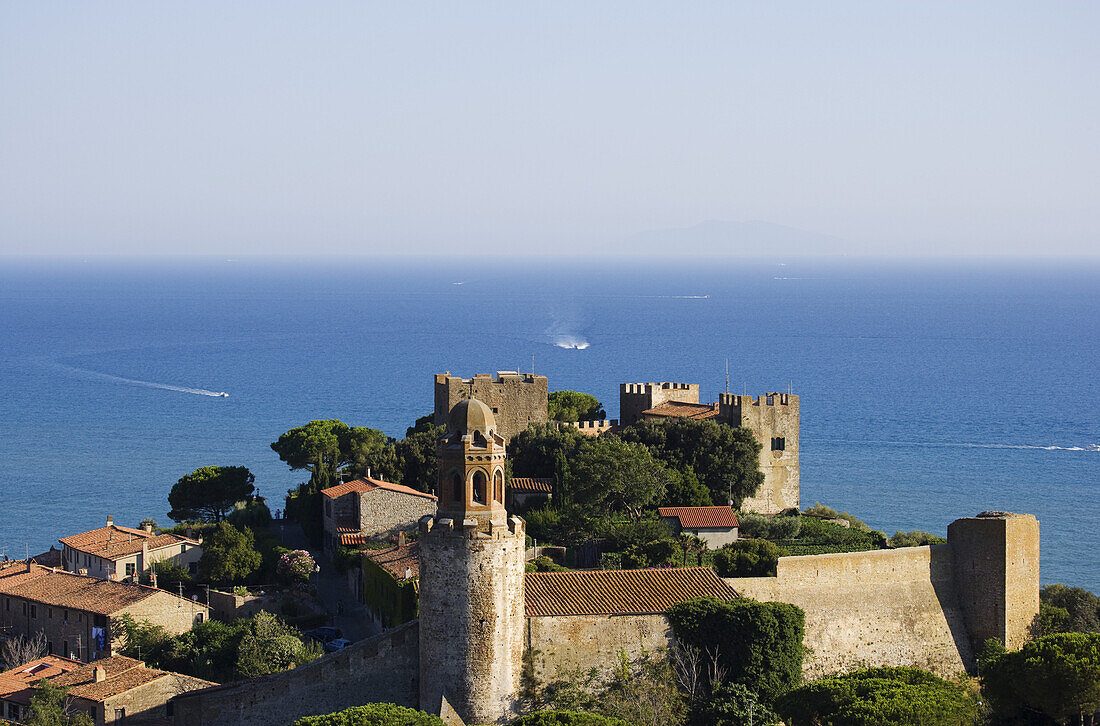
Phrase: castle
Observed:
(519, 399)
(481, 615)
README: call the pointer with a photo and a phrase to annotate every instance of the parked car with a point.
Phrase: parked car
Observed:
(337, 644)
(323, 634)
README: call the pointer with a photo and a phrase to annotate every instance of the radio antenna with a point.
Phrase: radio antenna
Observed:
(727, 376)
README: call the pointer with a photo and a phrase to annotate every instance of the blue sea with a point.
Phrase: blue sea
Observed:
(929, 392)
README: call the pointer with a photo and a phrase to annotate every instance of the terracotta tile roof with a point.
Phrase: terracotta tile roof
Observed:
(395, 560)
(67, 590)
(112, 542)
(345, 526)
(528, 484)
(367, 484)
(620, 592)
(15, 684)
(123, 674)
(354, 539)
(701, 517)
(677, 409)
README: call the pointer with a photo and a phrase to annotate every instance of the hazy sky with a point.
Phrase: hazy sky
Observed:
(272, 127)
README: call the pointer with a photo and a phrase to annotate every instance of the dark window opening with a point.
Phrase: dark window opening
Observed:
(456, 488)
(130, 569)
(498, 486)
(480, 480)
(778, 443)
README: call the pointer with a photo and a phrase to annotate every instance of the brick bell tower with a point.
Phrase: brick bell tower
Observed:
(471, 578)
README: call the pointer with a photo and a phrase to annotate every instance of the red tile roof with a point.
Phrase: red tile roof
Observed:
(701, 517)
(620, 592)
(354, 540)
(529, 484)
(678, 409)
(367, 484)
(15, 684)
(67, 590)
(112, 542)
(123, 674)
(396, 560)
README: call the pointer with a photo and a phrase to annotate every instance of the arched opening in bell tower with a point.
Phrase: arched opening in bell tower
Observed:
(498, 486)
(480, 482)
(456, 487)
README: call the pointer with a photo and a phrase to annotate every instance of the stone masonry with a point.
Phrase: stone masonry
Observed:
(516, 399)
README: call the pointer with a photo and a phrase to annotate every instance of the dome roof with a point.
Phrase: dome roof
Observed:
(471, 415)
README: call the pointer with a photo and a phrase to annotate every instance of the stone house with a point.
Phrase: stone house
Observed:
(716, 526)
(120, 689)
(17, 684)
(79, 614)
(371, 509)
(116, 553)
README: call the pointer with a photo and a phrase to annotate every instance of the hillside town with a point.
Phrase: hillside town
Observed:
(521, 558)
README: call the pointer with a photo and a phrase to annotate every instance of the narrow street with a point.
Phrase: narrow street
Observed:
(355, 621)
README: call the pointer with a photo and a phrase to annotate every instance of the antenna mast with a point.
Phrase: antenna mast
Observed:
(727, 376)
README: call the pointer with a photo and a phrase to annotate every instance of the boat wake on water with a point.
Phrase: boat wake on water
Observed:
(570, 342)
(1094, 448)
(95, 375)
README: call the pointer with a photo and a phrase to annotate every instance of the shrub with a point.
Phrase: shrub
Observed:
(611, 561)
(759, 526)
(567, 718)
(545, 564)
(916, 538)
(875, 696)
(1057, 676)
(374, 714)
(296, 566)
(747, 558)
(760, 643)
(1081, 606)
(732, 704)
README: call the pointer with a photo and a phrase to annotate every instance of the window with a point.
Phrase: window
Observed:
(130, 568)
(456, 487)
(49, 647)
(65, 616)
(498, 486)
(778, 443)
(24, 608)
(49, 612)
(183, 548)
(7, 603)
(120, 713)
(328, 507)
(480, 480)
(192, 568)
(34, 612)
(65, 648)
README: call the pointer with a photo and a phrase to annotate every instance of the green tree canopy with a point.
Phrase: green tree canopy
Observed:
(229, 555)
(328, 447)
(877, 696)
(612, 475)
(1082, 607)
(373, 714)
(725, 459)
(574, 406)
(747, 558)
(760, 643)
(416, 454)
(537, 450)
(50, 707)
(732, 704)
(270, 646)
(1057, 676)
(209, 493)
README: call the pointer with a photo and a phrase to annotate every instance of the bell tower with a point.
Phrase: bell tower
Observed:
(471, 466)
(471, 578)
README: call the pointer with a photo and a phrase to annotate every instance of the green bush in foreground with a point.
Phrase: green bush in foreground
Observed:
(374, 714)
(876, 696)
(568, 718)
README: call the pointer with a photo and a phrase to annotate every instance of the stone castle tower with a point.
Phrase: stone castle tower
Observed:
(516, 399)
(471, 577)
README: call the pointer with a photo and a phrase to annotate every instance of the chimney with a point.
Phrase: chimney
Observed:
(110, 521)
(400, 539)
(368, 472)
(99, 673)
(148, 528)
(408, 573)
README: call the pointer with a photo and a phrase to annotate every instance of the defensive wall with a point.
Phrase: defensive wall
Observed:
(382, 669)
(928, 607)
(560, 643)
(593, 428)
(517, 399)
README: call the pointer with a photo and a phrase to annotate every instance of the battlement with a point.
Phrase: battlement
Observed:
(767, 399)
(501, 377)
(430, 525)
(593, 428)
(647, 388)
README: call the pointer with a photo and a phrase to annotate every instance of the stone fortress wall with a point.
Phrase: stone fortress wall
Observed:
(637, 397)
(563, 643)
(930, 607)
(382, 669)
(517, 399)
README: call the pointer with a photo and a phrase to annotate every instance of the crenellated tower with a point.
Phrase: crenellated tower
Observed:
(471, 577)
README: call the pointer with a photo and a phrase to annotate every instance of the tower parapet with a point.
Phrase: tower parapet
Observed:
(471, 577)
(634, 398)
(516, 399)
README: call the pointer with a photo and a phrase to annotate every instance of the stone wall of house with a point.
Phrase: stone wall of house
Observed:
(558, 644)
(517, 399)
(382, 669)
(383, 513)
(68, 631)
(147, 701)
(174, 614)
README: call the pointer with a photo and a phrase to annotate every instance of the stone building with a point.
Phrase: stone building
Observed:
(366, 509)
(115, 553)
(17, 684)
(716, 526)
(772, 418)
(79, 614)
(517, 400)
